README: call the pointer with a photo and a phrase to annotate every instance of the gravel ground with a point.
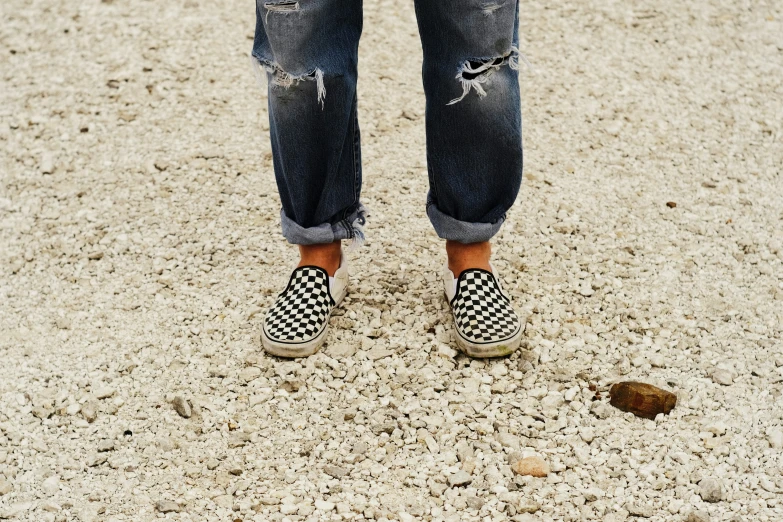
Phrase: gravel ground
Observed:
(139, 245)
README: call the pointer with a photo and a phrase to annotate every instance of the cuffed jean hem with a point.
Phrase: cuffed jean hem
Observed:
(461, 231)
(352, 227)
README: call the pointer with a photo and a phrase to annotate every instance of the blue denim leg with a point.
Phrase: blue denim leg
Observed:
(308, 50)
(473, 116)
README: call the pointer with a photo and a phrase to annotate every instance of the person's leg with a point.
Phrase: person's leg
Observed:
(462, 256)
(474, 157)
(474, 125)
(308, 51)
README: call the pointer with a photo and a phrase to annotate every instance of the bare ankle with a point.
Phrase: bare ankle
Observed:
(326, 256)
(463, 256)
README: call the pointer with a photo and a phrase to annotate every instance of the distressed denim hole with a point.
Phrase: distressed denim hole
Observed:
(490, 8)
(474, 73)
(282, 7)
(476, 66)
(281, 78)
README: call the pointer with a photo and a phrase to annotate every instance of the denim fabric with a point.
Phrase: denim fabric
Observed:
(309, 49)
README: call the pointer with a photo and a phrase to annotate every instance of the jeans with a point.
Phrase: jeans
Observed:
(308, 50)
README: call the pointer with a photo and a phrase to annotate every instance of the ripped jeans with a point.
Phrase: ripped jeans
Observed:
(308, 50)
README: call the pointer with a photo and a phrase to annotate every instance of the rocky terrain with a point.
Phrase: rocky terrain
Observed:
(140, 245)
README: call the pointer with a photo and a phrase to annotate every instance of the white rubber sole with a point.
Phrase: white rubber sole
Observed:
(296, 350)
(490, 350)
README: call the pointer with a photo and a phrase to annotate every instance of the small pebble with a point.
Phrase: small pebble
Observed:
(475, 502)
(533, 466)
(775, 439)
(182, 407)
(39, 446)
(710, 490)
(323, 505)
(640, 510)
(723, 377)
(104, 392)
(89, 411)
(51, 485)
(459, 479)
(168, 506)
(698, 516)
(335, 471)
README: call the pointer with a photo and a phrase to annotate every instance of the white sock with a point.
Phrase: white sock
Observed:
(454, 286)
(331, 283)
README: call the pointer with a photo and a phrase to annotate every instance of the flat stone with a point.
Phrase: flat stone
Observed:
(432, 445)
(5, 487)
(641, 399)
(528, 506)
(323, 505)
(104, 392)
(475, 502)
(14, 510)
(723, 377)
(50, 506)
(250, 373)
(168, 506)
(39, 446)
(459, 479)
(775, 439)
(96, 460)
(698, 516)
(640, 510)
(341, 350)
(335, 471)
(378, 353)
(508, 440)
(386, 427)
(289, 509)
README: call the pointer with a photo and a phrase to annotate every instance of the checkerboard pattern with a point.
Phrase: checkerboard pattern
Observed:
(482, 314)
(302, 311)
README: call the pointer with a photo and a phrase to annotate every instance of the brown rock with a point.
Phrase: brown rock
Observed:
(533, 466)
(671, 204)
(641, 399)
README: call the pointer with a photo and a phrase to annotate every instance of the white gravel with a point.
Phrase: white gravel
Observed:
(139, 246)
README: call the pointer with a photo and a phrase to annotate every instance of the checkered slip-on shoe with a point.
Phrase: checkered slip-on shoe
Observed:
(296, 325)
(485, 323)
